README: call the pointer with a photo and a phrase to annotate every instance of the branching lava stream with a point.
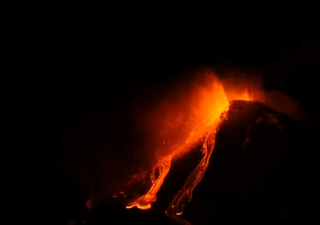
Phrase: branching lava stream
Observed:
(203, 109)
(185, 194)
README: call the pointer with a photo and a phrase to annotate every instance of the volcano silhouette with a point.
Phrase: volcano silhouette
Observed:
(249, 177)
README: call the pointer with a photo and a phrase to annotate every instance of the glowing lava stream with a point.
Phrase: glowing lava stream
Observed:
(211, 106)
(184, 196)
(145, 201)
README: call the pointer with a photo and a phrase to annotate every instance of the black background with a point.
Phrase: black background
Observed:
(76, 98)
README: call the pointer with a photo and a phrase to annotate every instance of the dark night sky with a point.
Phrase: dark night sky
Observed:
(85, 89)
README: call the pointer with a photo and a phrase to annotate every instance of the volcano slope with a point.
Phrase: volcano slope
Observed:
(251, 169)
(249, 178)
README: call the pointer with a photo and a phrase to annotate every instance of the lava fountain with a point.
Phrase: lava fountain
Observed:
(194, 113)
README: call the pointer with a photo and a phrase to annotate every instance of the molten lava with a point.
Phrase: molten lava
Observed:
(195, 114)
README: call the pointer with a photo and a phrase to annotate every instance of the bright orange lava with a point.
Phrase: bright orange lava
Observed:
(196, 113)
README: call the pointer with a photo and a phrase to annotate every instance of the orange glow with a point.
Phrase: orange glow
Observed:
(194, 112)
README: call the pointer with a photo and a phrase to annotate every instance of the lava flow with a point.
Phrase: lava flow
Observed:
(194, 115)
